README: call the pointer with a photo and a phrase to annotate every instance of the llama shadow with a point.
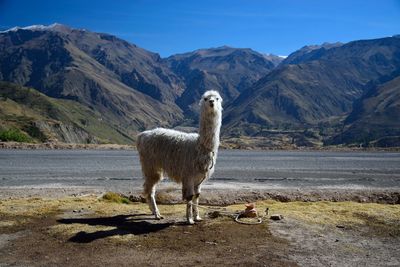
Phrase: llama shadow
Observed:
(124, 225)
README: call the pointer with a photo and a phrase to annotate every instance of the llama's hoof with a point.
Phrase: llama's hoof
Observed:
(198, 219)
(159, 217)
(190, 221)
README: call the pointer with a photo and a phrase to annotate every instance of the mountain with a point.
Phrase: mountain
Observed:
(375, 116)
(314, 90)
(127, 85)
(44, 119)
(274, 59)
(226, 69)
(309, 52)
(73, 85)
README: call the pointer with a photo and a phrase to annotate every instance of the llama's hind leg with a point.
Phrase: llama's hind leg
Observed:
(150, 192)
(196, 196)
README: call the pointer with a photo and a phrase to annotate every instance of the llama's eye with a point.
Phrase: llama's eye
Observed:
(205, 99)
(217, 98)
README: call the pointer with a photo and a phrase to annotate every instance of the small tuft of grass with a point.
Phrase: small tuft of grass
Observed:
(116, 198)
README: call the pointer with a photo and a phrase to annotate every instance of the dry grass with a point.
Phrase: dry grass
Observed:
(115, 197)
(109, 204)
(381, 218)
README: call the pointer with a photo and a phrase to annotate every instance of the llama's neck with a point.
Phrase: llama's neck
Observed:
(209, 129)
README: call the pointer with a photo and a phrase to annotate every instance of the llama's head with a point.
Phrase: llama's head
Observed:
(211, 102)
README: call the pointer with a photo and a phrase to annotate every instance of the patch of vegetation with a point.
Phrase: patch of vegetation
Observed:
(14, 135)
(117, 198)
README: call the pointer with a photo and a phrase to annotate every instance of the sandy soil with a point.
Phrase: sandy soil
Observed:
(87, 230)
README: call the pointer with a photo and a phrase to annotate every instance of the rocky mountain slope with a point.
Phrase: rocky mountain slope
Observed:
(309, 52)
(40, 118)
(226, 69)
(126, 84)
(375, 116)
(315, 90)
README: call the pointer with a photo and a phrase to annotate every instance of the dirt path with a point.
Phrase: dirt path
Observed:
(55, 235)
(152, 244)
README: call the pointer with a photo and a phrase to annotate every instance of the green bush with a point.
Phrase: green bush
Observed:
(13, 135)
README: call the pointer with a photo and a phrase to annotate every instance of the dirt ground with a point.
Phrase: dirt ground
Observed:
(88, 230)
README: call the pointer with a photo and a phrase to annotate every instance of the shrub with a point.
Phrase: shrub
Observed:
(13, 135)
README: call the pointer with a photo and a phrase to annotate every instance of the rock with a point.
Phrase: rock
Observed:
(214, 214)
(276, 217)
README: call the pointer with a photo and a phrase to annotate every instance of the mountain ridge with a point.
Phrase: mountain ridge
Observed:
(134, 89)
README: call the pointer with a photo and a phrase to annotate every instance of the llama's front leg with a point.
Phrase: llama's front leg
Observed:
(153, 205)
(196, 214)
(188, 193)
(189, 212)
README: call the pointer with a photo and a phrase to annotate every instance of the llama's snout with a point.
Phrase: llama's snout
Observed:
(211, 103)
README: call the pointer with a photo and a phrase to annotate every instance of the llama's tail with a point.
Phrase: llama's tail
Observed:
(139, 145)
(139, 142)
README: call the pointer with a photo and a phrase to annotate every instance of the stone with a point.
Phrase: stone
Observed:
(276, 217)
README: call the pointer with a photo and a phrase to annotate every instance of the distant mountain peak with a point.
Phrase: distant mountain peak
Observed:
(218, 48)
(40, 27)
(275, 59)
(224, 47)
(308, 51)
(325, 45)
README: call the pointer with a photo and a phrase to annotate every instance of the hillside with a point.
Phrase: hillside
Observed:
(44, 119)
(374, 119)
(126, 84)
(315, 90)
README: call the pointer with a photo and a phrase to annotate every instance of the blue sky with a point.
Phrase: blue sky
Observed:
(168, 27)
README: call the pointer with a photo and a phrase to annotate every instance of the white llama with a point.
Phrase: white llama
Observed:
(187, 158)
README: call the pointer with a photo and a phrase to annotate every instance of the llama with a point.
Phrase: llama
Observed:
(187, 158)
